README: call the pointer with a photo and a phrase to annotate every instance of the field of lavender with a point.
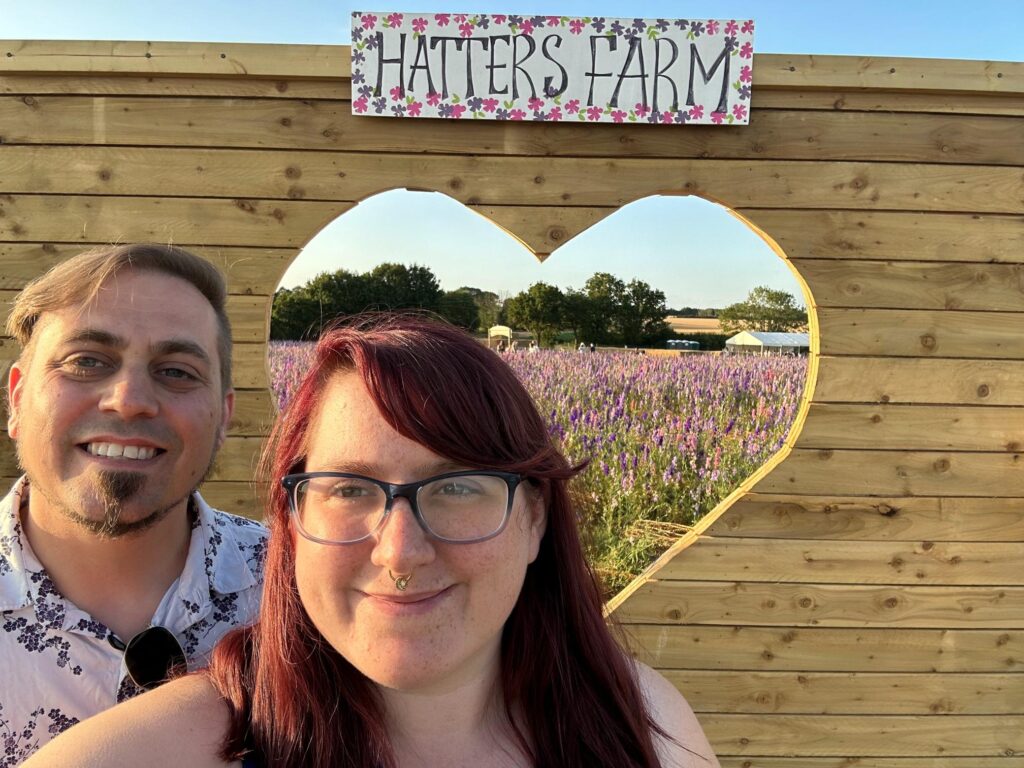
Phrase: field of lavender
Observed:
(667, 437)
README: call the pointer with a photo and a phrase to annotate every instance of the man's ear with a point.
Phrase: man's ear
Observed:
(15, 386)
(228, 412)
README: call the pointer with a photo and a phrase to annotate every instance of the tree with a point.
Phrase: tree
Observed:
(488, 306)
(577, 314)
(765, 309)
(458, 308)
(398, 286)
(640, 319)
(605, 293)
(537, 309)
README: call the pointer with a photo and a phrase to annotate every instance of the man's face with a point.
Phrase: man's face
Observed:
(118, 408)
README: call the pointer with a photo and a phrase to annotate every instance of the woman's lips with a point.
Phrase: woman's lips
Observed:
(403, 604)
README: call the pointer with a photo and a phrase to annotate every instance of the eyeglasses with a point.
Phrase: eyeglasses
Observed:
(456, 507)
(150, 656)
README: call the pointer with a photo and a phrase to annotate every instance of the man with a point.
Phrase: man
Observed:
(112, 567)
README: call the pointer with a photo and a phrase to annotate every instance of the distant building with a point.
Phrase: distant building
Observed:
(761, 343)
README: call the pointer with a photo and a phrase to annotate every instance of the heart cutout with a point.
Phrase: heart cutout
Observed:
(670, 434)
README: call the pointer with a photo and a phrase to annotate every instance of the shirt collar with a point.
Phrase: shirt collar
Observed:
(15, 590)
(214, 565)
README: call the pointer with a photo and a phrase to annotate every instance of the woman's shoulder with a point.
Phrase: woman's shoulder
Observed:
(180, 723)
(687, 746)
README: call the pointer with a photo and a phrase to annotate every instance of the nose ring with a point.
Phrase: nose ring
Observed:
(401, 581)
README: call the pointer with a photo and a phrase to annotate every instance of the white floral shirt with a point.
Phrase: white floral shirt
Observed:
(57, 664)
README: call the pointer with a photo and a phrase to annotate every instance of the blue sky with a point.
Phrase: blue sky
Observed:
(694, 251)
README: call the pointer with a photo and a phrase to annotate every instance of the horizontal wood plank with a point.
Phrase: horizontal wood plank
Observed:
(811, 649)
(253, 415)
(881, 101)
(235, 461)
(249, 315)
(865, 736)
(891, 519)
(333, 61)
(888, 236)
(291, 175)
(849, 693)
(894, 380)
(255, 271)
(824, 605)
(858, 72)
(897, 473)
(248, 363)
(200, 222)
(921, 333)
(327, 125)
(763, 98)
(913, 427)
(847, 562)
(913, 285)
(177, 58)
(749, 761)
(170, 86)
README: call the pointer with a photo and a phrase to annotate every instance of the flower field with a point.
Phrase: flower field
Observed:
(667, 437)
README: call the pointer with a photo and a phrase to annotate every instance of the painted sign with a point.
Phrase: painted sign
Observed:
(552, 68)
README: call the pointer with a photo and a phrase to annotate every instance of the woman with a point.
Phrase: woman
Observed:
(427, 602)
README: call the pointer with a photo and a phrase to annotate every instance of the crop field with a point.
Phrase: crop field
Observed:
(666, 438)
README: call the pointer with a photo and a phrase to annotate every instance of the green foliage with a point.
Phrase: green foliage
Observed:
(459, 308)
(303, 312)
(707, 341)
(538, 309)
(765, 309)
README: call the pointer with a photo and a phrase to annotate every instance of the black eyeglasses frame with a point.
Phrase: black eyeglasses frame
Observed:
(405, 491)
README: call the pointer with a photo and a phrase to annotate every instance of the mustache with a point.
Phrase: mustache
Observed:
(153, 433)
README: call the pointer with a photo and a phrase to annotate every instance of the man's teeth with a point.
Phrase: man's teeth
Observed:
(116, 450)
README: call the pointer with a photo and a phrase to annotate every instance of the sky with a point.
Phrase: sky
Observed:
(693, 250)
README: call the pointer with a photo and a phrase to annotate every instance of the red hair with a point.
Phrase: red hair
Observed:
(300, 703)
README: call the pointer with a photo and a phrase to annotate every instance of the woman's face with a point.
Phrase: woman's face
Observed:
(445, 628)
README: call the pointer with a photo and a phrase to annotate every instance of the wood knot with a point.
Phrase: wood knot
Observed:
(281, 86)
(805, 602)
(30, 102)
(984, 390)
(293, 172)
(286, 122)
(927, 546)
(927, 341)
(675, 614)
(876, 418)
(941, 465)
(104, 174)
(245, 205)
(557, 234)
(891, 602)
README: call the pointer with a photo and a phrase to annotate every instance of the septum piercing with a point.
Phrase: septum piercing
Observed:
(401, 581)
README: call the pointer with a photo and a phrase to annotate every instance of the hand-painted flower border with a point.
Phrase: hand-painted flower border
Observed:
(735, 37)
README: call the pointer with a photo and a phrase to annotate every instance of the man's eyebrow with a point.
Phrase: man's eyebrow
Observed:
(108, 339)
(96, 336)
(181, 347)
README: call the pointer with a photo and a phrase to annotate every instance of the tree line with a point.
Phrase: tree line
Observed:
(606, 310)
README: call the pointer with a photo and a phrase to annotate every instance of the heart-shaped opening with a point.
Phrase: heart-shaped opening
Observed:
(643, 383)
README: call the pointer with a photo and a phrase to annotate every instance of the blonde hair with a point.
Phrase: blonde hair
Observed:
(77, 280)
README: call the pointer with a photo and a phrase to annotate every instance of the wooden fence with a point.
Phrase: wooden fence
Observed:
(861, 600)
